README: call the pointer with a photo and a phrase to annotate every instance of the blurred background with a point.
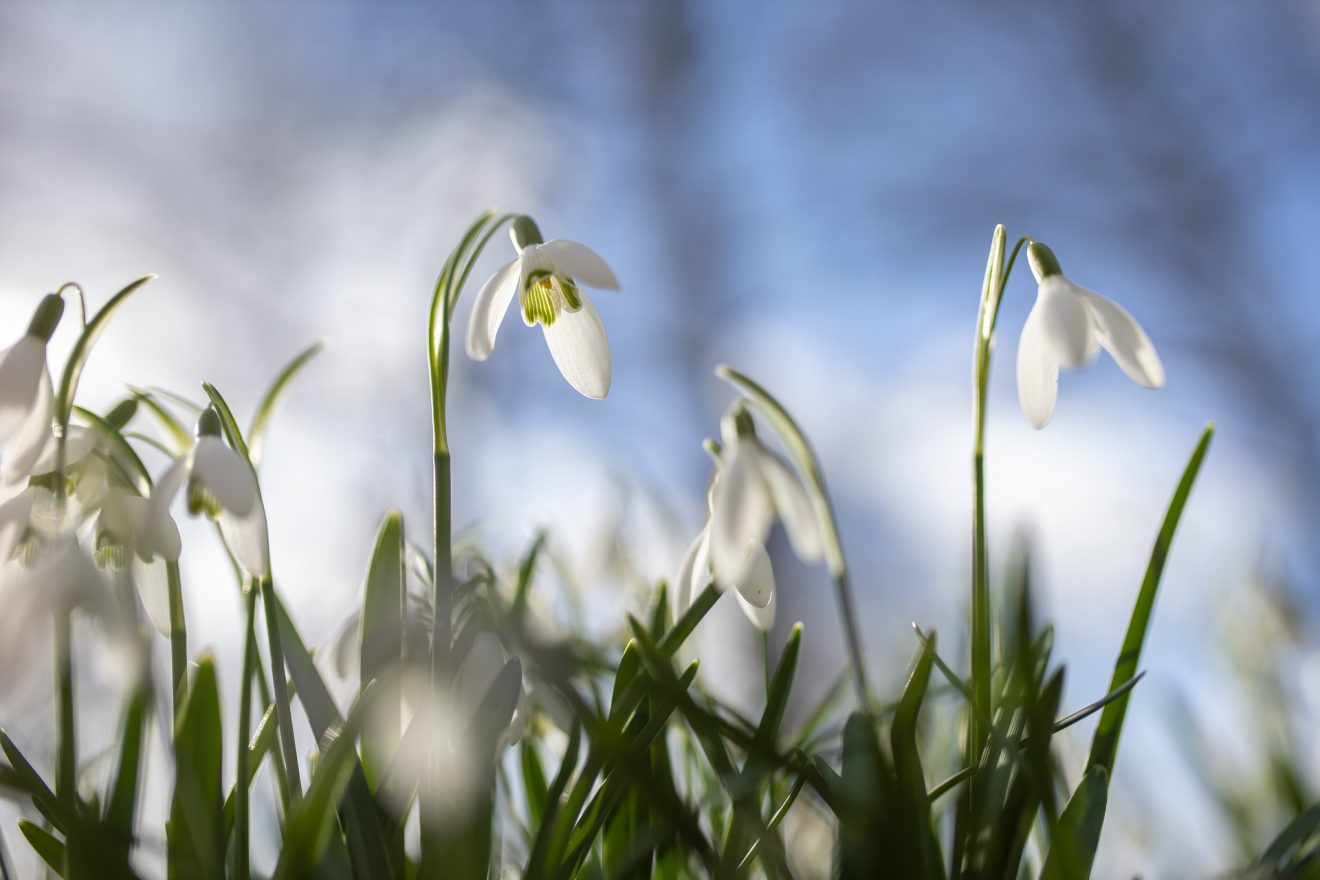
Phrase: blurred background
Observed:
(804, 191)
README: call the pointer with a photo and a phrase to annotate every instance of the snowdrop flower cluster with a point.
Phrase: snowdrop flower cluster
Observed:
(76, 497)
(1066, 328)
(546, 276)
(752, 488)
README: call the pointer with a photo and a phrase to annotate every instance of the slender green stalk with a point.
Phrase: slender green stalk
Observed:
(448, 286)
(242, 869)
(283, 714)
(178, 636)
(796, 443)
(66, 768)
(992, 291)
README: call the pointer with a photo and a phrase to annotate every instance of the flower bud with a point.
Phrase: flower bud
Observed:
(1042, 260)
(208, 424)
(737, 423)
(524, 232)
(46, 318)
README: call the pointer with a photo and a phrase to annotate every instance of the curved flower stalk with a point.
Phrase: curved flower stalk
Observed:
(1067, 327)
(27, 397)
(547, 276)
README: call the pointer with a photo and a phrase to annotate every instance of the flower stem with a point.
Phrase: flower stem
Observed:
(241, 800)
(992, 291)
(796, 443)
(66, 770)
(448, 286)
(283, 714)
(178, 636)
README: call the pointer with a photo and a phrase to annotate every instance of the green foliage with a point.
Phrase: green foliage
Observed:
(516, 742)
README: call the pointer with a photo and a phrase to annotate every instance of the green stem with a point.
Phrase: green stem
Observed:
(992, 290)
(242, 869)
(66, 770)
(796, 443)
(178, 636)
(448, 286)
(283, 714)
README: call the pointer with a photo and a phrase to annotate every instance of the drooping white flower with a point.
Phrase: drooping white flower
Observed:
(221, 485)
(1066, 328)
(27, 399)
(755, 591)
(752, 488)
(546, 276)
(52, 575)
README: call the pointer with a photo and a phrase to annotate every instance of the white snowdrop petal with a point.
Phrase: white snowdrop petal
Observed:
(1065, 324)
(25, 445)
(21, 366)
(578, 262)
(224, 472)
(756, 591)
(1037, 373)
(167, 486)
(740, 514)
(153, 588)
(248, 539)
(15, 514)
(78, 444)
(792, 504)
(1121, 336)
(489, 308)
(683, 587)
(581, 350)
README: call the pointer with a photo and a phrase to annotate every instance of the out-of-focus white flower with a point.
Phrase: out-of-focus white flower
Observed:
(1066, 328)
(54, 576)
(752, 487)
(546, 275)
(755, 591)
(27, 399)
(221, 485)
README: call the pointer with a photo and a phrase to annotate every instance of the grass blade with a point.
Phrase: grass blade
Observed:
(196, 847)
(381, 645)
(1077, 833)
(272, 397)
(1104, 745)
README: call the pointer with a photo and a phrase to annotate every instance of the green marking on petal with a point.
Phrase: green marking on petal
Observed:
(540, 303)
(572, 296)
(200, 500)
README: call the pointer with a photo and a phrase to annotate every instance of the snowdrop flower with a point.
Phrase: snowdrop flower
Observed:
(27, 399)
(1066, 327)
(546, 275)
(752, 488)
(52, 575)
(220, 485)
(755, 591)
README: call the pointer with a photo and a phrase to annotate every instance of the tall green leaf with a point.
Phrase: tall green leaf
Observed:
(1104, 745)
(381, 645)
(1077, 834)
(275, 393)
(196, 847)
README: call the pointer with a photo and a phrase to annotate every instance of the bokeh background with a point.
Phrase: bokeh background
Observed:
(806, 191)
